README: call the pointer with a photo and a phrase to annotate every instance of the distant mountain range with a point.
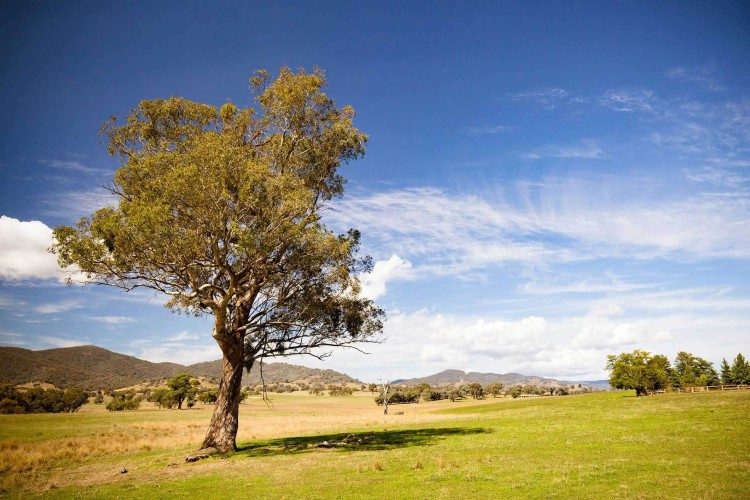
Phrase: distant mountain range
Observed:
(91, 367)
(453, 377)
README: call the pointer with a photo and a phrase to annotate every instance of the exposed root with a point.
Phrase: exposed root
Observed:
(201, 454)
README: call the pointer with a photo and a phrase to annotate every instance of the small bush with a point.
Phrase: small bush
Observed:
(340, 390)
(119, 404)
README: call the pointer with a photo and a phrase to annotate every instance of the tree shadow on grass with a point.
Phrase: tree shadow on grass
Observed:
(362, 441)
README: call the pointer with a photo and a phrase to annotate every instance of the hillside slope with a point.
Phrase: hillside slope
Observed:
(274, 373)
(91, 367)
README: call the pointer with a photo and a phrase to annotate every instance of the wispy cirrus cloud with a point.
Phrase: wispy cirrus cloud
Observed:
(488, 129)
(58, 307)
(74, 166)
(75, 204)
(559, 221)
(546, 97)
(586, 150)
(628, 100)
(11, 338)
(111, 320)
(703, 76)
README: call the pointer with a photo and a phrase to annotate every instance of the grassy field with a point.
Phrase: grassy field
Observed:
(593, 446)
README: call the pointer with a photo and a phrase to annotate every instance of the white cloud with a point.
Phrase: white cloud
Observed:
(111, 320)
(584, 151)
(628, 100)
(488, 130)
(572, 346)
(61, 342)
(11, 338)
(558, 221)
(23, 250)
(185, 335)
(373, 284)
(700, 75)
(76, 204)
(548, 98)
(533, 345)
(57, 307)
(587, 286)
(185, 355)
(74, 166)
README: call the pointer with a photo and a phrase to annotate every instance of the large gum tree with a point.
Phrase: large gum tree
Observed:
(220, 208)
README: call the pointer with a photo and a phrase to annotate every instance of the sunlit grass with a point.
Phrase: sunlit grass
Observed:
(601, 445)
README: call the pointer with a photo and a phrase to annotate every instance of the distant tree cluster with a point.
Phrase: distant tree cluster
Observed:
(38, 400)
(340, 390)
(124, 401)
(182, 390)
(426, 392)
(315, 388)
(645, 372)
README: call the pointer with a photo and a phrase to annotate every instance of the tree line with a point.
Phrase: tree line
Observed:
(426, 392)
(39, 400)
(643, 371)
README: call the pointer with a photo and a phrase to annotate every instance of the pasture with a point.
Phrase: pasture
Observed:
(592, 446)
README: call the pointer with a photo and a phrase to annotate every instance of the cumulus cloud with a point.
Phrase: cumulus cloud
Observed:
(533, 345)
(185, 355)
(23, 250)
(374, 283)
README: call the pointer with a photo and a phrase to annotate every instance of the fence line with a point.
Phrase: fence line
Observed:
(734, 387)
(708, 388)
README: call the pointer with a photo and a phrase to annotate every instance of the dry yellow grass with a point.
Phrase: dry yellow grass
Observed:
(34, 462)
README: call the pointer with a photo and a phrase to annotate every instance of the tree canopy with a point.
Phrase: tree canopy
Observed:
(691, 370)
(639, 370)
(220, 208)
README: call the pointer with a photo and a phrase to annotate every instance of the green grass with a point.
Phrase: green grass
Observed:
(593, 446)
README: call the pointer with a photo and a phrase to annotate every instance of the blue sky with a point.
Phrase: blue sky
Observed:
(545, 183)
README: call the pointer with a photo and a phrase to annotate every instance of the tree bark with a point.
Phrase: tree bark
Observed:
(222, 431)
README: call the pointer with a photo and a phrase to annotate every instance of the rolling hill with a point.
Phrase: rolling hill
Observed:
(91, 367)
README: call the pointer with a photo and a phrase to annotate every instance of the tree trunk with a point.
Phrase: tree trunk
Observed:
(222, 431)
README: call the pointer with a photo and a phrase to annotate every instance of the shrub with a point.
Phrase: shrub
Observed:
(122, 403)
(208, 396)
(340, 390)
